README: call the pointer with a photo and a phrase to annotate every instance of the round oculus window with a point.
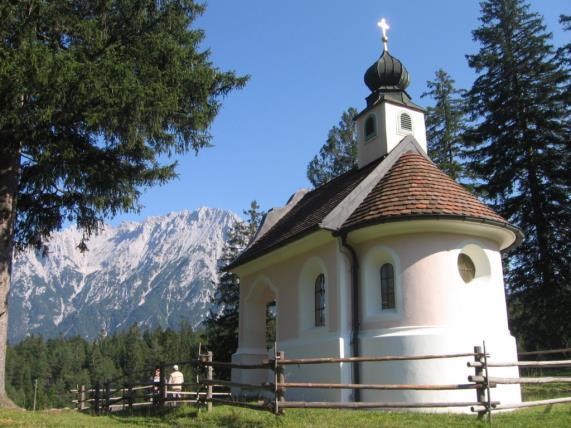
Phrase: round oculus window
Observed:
(466, 267)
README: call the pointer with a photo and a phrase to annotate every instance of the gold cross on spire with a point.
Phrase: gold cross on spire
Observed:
(382, 24)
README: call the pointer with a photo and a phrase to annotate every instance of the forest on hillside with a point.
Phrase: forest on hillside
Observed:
(61, 364)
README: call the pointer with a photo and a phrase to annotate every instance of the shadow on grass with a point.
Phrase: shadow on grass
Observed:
(142, 416)
(174, 416)
(236, 420)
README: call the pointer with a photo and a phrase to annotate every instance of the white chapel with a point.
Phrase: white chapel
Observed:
(390, 258)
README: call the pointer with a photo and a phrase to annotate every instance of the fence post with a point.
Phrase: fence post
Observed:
(480, 394)
(81, 398)
(281, 376)
(97, 398)
(130, 396)
(209, 376)
(107, 397)
(278, 378)
(276, 388)
(484, 360)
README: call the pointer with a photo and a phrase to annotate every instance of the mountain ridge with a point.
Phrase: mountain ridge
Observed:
(154, 273)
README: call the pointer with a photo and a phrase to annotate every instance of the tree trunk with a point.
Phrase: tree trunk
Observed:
(9, 177)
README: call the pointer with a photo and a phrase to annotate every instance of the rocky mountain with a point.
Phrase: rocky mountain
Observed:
(156, 272)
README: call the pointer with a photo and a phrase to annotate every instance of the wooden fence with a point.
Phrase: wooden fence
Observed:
(138, 389)
(208, 390)
(482, 378)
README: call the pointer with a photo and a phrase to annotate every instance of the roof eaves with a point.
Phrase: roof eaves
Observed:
(390, 100)
(517, 232)
(239, 261)
(274, 215)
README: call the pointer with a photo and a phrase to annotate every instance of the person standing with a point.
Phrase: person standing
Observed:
(176, 380)
(156, 385)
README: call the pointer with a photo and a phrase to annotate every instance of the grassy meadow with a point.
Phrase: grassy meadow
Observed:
(224, 416)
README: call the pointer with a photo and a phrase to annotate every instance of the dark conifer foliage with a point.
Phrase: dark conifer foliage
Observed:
(338, 154)
(221, 325)
(445, 124)
(61, 364)
(94, 98)
(519, 148)
(92, 92)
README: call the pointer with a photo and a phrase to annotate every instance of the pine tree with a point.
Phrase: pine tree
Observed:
(221, 325)
(338, 154)
(94, 96)
(133, 351)
(101, 366)
(519, 150)
(445, 124)
(155, 352)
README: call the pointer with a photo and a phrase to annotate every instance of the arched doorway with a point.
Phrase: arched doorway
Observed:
(259, 328)
(259, 313)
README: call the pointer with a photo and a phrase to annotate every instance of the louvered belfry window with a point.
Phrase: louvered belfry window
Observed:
(320, 300)
(405, 122)
(387, 286)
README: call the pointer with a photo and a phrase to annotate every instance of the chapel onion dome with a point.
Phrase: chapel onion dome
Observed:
(387, 74)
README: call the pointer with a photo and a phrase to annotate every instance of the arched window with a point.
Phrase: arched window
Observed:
(370, 127)
(387, 286)
(405, 122)
(320, 300)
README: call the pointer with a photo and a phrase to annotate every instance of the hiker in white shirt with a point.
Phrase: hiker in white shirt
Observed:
(176, 380)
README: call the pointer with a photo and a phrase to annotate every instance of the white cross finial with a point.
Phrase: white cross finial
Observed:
(384, 27)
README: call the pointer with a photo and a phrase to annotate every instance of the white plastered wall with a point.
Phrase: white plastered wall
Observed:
(437, 313)
(293, 284)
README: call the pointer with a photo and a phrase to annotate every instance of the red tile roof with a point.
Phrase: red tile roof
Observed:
(414, 186)
(306, 215)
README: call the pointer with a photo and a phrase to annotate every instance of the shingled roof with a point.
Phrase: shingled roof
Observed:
(405, 184)
(414, 186)
(306, 215)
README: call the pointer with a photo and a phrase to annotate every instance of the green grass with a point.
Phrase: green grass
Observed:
(532, 392)
(224, 416)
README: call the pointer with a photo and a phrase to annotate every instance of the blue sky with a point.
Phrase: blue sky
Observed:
(306, 59)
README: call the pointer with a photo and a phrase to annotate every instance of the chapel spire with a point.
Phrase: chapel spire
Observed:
(390, 114)
(382, 24)
(387, 74)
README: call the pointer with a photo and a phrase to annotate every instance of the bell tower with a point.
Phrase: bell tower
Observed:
(390, 114)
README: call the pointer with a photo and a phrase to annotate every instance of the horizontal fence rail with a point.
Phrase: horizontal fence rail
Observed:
(548, 352)
(264, 365)
(525, 364)
(328, 360)
(520, 380)
(387, 387)
(218, 382)
(527, 404)
(374, 405)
